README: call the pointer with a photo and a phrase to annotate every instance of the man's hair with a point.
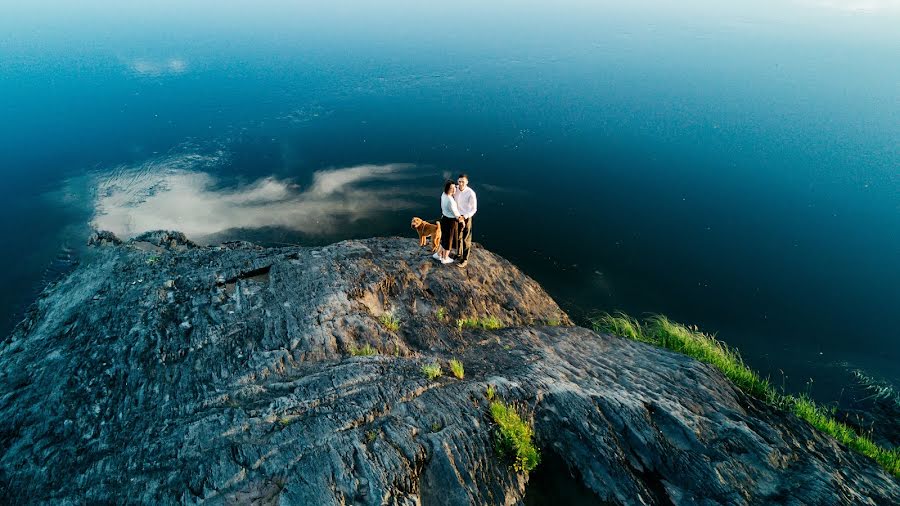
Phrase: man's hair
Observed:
(463, 175)
(448, 185)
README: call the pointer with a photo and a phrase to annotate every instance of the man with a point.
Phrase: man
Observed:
(468, 206)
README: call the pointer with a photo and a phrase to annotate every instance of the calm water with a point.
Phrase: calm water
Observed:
(733, 166)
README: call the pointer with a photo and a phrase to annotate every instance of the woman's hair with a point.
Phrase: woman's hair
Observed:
(449, 184)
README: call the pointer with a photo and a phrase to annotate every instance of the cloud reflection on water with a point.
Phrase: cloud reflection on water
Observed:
(162, 194)
(157, 68)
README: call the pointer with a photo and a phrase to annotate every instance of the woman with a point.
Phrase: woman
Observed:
(451, 219)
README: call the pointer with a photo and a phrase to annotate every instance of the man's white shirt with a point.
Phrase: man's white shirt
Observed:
(467, 202)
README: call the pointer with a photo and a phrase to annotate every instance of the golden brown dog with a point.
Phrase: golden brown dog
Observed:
(426, 229)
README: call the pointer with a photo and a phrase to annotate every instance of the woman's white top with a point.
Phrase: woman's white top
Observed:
(449, 207)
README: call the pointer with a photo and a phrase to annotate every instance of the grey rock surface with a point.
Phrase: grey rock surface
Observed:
(160, 372)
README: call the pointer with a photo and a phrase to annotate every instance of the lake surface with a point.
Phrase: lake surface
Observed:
(731, 166)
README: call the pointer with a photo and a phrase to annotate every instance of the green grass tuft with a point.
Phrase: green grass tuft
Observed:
(514, 437)
(456, 368)
(365, 351)
(432, 371)
(441, 314)
(390, 322)
(620, 324)
(485, 322)
(706, 348)
(661, 331)
(490, 393)
(822, 419)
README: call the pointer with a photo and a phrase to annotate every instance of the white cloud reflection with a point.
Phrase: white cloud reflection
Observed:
(164, 194)
(157, 68)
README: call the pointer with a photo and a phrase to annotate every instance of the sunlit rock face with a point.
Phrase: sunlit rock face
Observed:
(163, 372)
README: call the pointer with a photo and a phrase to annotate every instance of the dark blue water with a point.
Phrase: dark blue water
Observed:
(732, 166)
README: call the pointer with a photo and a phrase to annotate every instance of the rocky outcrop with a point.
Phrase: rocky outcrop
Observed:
(160, 372)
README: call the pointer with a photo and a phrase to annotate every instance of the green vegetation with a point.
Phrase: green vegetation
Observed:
(706, 348)
(485, 322)
(390, 322)
(432, 371)
(514, 437)
(152, 260)
(456, 368)
(823, 419)
(365, 351)
(490, 393)
(660, 331)
(441, 314)
(371, 436)
(435, 427)
(619, 324)
(553, 322)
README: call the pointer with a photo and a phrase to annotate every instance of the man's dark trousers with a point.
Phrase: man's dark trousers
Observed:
(466, 241)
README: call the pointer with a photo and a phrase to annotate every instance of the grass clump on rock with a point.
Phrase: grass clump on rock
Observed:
(390, 322)
(706, 348)
(620, 324)
(485, 322)
(514, 437)
(456, 368)
(432, 371)
(823, 420)
(365, 351)
(661, 331)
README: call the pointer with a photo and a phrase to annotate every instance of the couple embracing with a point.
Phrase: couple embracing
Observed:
(458, 205)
